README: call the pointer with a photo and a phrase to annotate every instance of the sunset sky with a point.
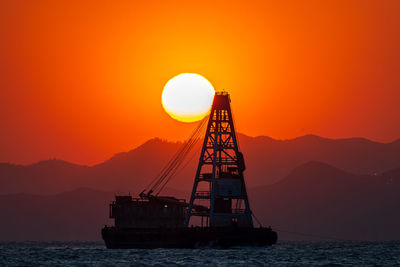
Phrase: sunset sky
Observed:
(82, 80)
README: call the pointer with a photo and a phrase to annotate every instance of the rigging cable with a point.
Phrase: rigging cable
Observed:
(179, 159)
(177, 170)
(182, 157)
(258, 221)
(154, 183)
(170, 169)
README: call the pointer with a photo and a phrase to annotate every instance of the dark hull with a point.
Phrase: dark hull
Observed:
(187, 237)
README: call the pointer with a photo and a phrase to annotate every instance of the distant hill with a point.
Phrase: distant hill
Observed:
(267, 162)
(74, 215)
(125, 172)
(318, 200)
(315, 201)
(270, 160)
(47, 176)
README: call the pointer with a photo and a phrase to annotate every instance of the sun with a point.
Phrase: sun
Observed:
(187, 97)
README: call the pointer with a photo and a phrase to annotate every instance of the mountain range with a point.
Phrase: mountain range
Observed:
(267, 161)
(319, 201)
(305, 188)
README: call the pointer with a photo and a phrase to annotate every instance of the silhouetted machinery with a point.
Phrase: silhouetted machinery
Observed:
(150, 212)
(219, 198)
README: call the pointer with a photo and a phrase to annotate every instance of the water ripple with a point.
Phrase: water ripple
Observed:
(284, 253)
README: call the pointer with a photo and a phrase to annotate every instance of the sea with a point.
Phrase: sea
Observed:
(284, 253)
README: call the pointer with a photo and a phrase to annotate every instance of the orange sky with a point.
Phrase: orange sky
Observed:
(82, 80)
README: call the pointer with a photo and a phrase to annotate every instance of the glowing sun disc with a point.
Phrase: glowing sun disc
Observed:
(187, 97)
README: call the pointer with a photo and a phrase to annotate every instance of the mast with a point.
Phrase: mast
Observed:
(219, 177)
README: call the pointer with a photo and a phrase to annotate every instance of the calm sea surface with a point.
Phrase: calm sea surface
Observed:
(282, 254)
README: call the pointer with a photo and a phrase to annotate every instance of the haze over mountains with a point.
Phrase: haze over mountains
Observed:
(344, 188)
(318, 201)
(267, 162)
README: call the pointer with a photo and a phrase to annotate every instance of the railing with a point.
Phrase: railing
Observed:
(204, 194)
(238, 210)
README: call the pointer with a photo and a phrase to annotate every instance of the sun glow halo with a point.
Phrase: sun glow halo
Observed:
(187, 97)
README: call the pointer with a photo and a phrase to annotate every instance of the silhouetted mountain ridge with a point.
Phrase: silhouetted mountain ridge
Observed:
(267, 160)
(321, 200)
(314, 171)
(315, 199)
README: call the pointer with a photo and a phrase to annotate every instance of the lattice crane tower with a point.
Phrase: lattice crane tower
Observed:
(219, 181)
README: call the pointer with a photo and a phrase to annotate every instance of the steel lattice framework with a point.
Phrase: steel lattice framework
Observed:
(219, 178)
